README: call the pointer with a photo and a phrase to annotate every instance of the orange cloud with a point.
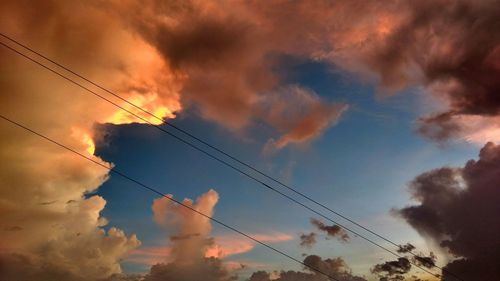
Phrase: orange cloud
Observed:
(229, 245)
(85, 139)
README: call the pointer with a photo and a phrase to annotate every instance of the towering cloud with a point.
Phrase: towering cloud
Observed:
(191, 238)
(458, 209)
(50, 227)
(189, 243)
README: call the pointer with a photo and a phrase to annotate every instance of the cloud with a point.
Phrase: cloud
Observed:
(452, 52)
(196, 53)
(210, 269)
(457, 208)
(186, 258)
(393, 269)
(400, 269)
(397, 44)
(150, 255)
(188, 224)
(428, 262)
(308, 240)
(300, 114)
(406, 248)
(46, 191)
(229, 245)
(473, 129)
(333, 231)
(227, 60)
(87, 257)
(336, 268)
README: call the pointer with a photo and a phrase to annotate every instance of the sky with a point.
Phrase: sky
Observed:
(386, 112)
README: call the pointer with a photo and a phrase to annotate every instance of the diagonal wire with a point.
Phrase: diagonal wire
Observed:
(220, 151)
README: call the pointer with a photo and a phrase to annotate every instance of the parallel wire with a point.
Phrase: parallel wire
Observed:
(123, 175)
(220, 151)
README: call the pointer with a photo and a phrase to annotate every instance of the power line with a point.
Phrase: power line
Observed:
(123, 175)
(215, 157)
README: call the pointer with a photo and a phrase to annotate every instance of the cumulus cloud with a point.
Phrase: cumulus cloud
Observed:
(210, 269)
(187, 257)
(191, 226)
(458, 209)
(192, 254)
(333, 231)
(335, 268)
(51, 226)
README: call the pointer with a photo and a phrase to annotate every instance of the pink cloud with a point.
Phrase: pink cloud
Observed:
(229, 245)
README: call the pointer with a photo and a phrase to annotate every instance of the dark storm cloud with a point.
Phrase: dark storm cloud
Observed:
(459, 209)
(331, 230)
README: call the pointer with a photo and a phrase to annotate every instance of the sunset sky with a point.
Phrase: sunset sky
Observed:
(387, 112)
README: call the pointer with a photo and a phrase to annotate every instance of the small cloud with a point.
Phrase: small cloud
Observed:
(333, 231)
(406, 248)
(393, 268)
(308, 240)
